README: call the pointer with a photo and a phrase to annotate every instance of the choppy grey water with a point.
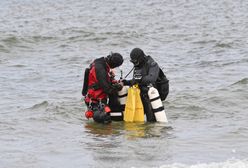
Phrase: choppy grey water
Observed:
(201, 44)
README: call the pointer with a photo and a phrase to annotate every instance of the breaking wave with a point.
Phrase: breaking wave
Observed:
(243, 81)
(227, 164)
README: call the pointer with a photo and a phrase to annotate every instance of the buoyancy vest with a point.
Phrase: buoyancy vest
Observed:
(161, 83)
(95, 92)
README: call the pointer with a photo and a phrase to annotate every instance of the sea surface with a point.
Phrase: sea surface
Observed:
(202, 46)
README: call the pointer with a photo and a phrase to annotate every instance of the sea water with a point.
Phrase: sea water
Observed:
(201, 45)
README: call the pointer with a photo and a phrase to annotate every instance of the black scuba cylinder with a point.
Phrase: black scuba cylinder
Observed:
(100, 113)
(86, 79)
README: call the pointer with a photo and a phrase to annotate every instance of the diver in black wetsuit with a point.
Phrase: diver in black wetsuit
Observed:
(147, 72)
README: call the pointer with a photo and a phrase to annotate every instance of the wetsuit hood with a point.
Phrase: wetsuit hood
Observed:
(114, 60)
(137, 57)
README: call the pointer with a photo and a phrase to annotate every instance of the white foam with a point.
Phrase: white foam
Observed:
(227, 164)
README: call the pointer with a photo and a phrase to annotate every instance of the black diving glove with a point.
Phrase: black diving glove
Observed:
(117, 86)
(135, 81)
(126, 82)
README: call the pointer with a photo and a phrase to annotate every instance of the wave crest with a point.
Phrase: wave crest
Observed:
(227, 164)
(243, 81)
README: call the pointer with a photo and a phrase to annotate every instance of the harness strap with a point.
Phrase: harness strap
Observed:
(95, 86)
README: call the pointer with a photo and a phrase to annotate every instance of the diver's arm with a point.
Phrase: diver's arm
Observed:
(152, 75)
(101, 75)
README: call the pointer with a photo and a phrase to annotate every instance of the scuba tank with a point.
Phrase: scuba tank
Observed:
(117, 104)
(122, 95)
(86, 79)
(119, 107)
(157, 106)
(101, 113)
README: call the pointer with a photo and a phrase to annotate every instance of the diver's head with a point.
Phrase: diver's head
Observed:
(114, 60)
(137, 57)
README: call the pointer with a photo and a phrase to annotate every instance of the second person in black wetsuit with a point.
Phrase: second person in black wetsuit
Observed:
(146, 73)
